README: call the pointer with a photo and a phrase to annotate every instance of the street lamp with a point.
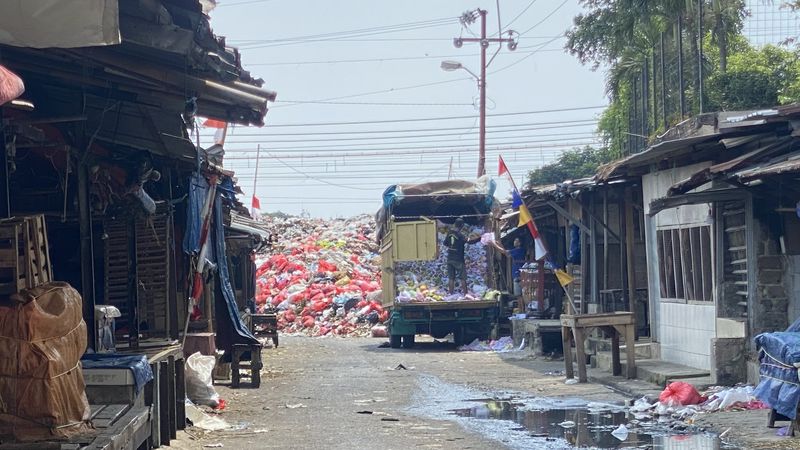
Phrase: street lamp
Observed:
(451, 66)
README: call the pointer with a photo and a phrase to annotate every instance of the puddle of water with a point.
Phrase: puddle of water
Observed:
(581, 427)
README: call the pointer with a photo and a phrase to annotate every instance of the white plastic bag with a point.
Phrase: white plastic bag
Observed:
(199, 385)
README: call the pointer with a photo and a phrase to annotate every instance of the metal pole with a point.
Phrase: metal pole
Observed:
(482, 82)
(663, 83)
(255, 180)
(681, 92)
(700, 53)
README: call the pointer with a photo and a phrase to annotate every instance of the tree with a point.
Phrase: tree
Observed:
(572, 164)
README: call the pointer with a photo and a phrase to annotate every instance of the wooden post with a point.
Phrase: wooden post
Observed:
(623, 248)
(630, 244)
(172, 307)
(566, 339)
(87, 253)
(133, 286)
(605, 239)
(5, 196)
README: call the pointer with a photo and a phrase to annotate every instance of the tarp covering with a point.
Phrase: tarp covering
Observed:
(779, 386)
(137, 364)
(59, 23)
(230, 328)
(42, 337)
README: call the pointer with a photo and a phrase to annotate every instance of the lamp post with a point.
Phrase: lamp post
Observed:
(467, 18)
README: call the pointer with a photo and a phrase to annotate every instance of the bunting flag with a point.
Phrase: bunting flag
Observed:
(516, 199)
(564, 278)
(525, 219)
(214, 123)
(256, 204)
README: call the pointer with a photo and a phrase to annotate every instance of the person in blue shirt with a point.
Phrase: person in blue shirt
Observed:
(517, 255)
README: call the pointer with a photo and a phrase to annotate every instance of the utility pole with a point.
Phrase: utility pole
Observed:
(468, 18)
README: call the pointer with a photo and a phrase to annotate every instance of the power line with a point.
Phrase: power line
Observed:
(400, 58)
(429, 119)
(521, 13)
(545, 18)
(242, 3)
(320, 102)
(436, 150)
(539, 126)
(266, 140)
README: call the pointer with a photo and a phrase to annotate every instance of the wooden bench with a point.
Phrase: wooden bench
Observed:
(574, 328)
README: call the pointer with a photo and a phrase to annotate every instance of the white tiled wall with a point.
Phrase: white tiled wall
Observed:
(685, 333)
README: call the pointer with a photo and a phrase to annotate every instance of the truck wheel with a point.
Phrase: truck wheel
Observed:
(394, 341)
(408, 341)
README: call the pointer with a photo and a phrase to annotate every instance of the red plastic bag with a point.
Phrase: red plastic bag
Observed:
(11, 86)
(679, 393)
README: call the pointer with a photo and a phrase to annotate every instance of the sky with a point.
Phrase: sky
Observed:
(363, 103)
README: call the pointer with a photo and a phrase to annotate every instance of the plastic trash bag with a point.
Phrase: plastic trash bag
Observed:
(679, 393)
(199, 385)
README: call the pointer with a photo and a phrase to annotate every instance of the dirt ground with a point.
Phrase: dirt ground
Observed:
(349, 393)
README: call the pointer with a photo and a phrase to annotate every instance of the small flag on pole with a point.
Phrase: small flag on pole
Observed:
(526, 219)
(256, 203)
(501, 167)
(214, 123)
(564, 278)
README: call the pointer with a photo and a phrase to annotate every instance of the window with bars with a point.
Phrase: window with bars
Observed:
(685, 270)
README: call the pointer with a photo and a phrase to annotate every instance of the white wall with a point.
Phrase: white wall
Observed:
(684, 330)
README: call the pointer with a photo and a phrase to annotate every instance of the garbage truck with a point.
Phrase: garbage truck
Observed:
(413, 222)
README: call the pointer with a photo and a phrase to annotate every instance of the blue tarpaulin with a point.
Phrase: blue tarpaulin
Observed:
(142, 373)
(230, 328)
(779, 386)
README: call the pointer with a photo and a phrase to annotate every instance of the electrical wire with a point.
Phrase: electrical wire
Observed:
(489, 129)
(319, 102)
(402, 58)
(520, 14)
(545, 18)
(429, 119)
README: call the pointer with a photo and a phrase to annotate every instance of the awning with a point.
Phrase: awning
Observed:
(59, 23)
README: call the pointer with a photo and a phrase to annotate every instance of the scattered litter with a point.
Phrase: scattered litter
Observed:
(502, 345)
(363, 412)
(570, 381)
(389, 419)
(721, 435)
(369, 400)
(620, 433)
(784, 431)
(567, 424)
(401, 367)
(386, 344)
(216, 445)
(294, 406)
(202, 420)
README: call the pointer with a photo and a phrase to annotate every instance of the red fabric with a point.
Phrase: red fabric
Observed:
(11, 86)
(680, 393)
(256, 203)
(214, 123)
(501, 167)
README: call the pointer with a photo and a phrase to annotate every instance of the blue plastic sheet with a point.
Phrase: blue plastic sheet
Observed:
(198, 190)
(778, 387)
(783, 346)
(142, 373)
(230, 328)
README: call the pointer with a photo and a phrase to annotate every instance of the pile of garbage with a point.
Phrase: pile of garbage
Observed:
(322, 276)
(502, 345)
(681, 401)
(426, 281)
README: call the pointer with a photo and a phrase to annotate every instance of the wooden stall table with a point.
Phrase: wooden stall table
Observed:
(166, 394)
(574, 329)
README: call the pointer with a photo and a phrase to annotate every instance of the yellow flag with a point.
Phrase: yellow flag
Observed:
(524, 215)
(563, 277)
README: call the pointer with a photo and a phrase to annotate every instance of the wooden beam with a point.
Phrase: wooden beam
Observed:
(630, 244)
(87, 252)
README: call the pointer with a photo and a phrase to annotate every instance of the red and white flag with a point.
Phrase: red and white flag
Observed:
(256, 204)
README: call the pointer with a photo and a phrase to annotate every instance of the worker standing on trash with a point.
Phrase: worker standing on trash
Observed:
(455, 241)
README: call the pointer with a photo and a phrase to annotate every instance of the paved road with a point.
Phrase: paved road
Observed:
(313, 390)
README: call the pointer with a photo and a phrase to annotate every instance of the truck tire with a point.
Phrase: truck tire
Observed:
(394, 340)
(408, 341)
